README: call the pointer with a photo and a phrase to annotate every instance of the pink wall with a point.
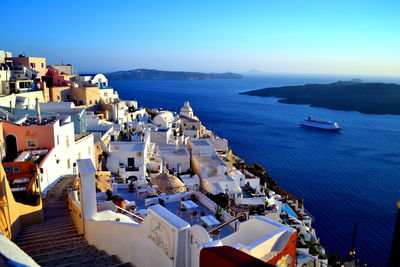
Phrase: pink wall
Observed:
(43, 134)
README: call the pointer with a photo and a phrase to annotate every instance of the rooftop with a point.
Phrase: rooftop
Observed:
(81, 136)
(200, 142)
(211, 161)
(126, 146)
(172, 150)
(45, 121)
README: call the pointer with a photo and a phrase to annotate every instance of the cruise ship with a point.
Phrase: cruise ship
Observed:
(320, 124)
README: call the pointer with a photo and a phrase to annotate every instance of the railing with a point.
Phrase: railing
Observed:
(225, 223)
(5, 225)
(130, 213)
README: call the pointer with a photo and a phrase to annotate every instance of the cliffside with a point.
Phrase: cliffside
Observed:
(147, 74)
(370, 98)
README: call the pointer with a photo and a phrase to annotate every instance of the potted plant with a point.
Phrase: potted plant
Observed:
(131, 187)
(218, 213)
(109, 194)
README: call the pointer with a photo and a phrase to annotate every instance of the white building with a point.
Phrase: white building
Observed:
(176, 159)
(109, 95)
(190, 124)
(129, 158)
(161, 136)
(164, 119)
(84, 146)
(186, 110)
(97, 79)
(66, 68)
(3, 55)
(200, 147)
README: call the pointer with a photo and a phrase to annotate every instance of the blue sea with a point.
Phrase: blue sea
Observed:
(346, 177)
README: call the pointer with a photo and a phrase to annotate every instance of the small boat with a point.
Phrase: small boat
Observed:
(319, 124)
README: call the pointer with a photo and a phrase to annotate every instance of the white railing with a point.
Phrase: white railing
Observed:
(130, 213)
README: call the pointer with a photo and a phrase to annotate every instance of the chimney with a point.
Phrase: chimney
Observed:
(39, 118)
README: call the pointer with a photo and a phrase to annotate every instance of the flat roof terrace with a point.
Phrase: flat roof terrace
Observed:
(200, 143)
(171, 203)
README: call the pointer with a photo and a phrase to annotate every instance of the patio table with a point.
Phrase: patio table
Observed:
(209, 220)
(189, 204)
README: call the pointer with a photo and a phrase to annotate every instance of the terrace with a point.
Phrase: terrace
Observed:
(144, 196)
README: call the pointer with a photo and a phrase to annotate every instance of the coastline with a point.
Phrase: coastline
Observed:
(367, 98)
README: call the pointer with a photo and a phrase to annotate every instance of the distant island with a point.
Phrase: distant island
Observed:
(148, 74)
(354, 95)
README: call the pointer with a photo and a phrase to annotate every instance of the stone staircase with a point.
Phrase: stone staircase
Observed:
(56, 242)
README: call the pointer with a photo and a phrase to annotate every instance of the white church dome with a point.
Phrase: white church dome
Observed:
(186, 110)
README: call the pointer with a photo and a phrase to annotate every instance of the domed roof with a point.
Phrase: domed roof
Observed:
(165, 116)
(166, 182)
(186, 110)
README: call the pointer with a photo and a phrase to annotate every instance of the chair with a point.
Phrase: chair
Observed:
(216, 233)
(194, 213)
(180, 210)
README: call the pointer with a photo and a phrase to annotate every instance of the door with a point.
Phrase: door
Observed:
(11, 147)
(131, 163)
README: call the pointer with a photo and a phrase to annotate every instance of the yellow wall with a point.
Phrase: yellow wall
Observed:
(60, 93)
(14, 215)
(85, 96)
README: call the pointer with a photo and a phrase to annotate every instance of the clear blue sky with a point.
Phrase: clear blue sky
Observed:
(278, 36)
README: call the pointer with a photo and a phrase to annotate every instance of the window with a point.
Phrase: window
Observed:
(16, 169)
(33, 65)
(31, 143)
(139, 154)
(42, 65)
(79, 155)
(89, 150)
(67, 141)
(8, 170)
(68, 96)
(58, 139)
(90, 102)
(68, 163)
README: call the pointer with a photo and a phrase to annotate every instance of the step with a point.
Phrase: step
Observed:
(50, 224)
(42, 242)
(69, 241)
(40, 232)
(73, 258)
(47, 225)
(98, 262)
(57, 207)
(54, 202)
(125, 264)
(66, 252)
(57, 214)
(44, 236)
(36, 251)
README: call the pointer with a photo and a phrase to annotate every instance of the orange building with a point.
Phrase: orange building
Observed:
(25, 137)
(36, 63)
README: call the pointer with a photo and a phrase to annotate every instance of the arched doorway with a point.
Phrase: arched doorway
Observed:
(11, 147)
